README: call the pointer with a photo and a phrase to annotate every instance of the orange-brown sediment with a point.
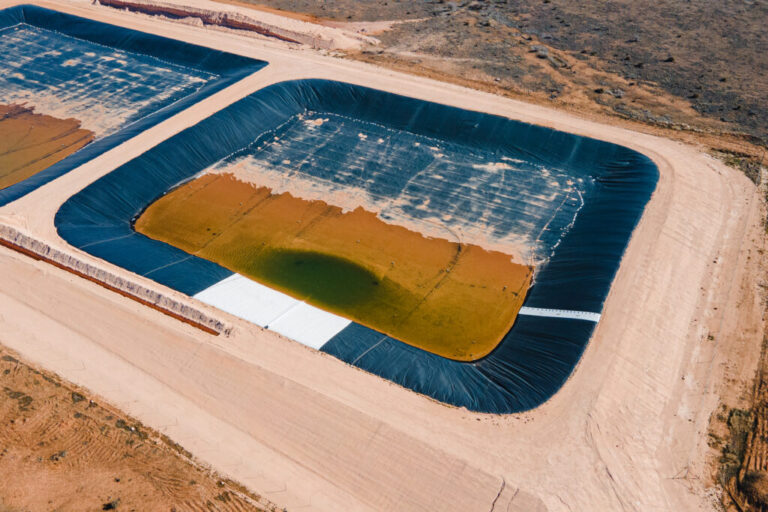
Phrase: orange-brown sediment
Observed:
(30, 143)
(452, 299)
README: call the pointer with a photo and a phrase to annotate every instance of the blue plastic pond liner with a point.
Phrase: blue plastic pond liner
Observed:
(418, 179)
(229, 68)
(537, 355)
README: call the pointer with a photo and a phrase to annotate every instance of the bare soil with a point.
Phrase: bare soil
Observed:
(699, 66)
(62, 450)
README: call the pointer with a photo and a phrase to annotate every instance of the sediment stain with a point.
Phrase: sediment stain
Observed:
(455, 300)
(30, 142)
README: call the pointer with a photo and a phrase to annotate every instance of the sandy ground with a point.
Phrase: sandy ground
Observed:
(61, 450)
(626, 432)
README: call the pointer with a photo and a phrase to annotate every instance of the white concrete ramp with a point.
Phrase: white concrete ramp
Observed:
(273, 310)
(302, 322)
(560, 313)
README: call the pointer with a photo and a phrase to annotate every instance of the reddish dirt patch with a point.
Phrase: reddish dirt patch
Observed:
(60, 450)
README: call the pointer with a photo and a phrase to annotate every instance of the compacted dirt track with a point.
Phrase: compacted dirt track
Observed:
(626, 432)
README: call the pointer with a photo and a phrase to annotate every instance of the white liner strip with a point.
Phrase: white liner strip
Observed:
(274, 310)
(560, 313)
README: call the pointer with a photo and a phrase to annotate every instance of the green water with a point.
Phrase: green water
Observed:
(321, 278)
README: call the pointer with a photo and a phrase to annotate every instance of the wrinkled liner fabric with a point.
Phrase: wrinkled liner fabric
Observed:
(229, 67)
(538, 354)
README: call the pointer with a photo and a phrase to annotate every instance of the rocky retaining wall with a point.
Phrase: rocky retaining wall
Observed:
(157, 300)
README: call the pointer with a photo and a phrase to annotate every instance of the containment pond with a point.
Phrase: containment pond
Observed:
(459, 254)
(79, 87)
(449, 298)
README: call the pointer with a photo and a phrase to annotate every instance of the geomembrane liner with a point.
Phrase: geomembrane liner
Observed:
(451, 299)
(447, 188)
(117, 82)
(571, 201)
